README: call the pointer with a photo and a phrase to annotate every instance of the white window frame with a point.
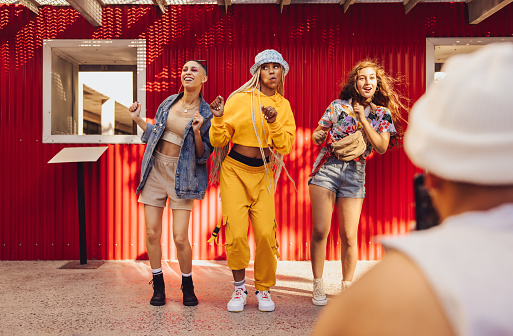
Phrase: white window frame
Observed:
(48, 137)
(432, 42)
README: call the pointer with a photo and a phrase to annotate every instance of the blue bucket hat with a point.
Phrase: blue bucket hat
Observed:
(269, 56)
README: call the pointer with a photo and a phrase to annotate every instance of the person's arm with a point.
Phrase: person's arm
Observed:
(220, 132)
(205, 141)
(283, 131)
(320, 134)
(393, 298)
(197, 121)
(379, 141)
(135, 114)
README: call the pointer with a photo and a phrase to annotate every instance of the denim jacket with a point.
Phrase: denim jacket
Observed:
(191, 172)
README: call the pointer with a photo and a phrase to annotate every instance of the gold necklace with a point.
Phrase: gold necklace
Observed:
(186, 108)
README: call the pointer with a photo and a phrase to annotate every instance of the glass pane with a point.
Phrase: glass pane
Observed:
(104, 100)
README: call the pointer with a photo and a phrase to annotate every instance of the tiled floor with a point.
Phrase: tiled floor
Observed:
(39, 298)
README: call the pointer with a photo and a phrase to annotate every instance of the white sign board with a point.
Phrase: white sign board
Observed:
(79, 154)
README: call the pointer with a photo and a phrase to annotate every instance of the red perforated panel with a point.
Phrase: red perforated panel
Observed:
(38, 204)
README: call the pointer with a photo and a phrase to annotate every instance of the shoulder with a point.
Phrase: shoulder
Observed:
(285, 102)
(240, 96)
(340, 105)
(171, 98)
(382, 110)
(237, 100)
(204, 108)
(166, 102)
(395, 295)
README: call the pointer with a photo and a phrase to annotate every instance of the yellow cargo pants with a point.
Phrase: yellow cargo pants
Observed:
(244, 196)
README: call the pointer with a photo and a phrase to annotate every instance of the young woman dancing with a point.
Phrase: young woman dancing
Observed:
(174, 166)
(366, 117)
(259, 122)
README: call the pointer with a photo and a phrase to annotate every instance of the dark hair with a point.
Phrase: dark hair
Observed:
(202, 63)
(386, 95)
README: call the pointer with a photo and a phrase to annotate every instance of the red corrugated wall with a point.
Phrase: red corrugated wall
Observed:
(38, 207)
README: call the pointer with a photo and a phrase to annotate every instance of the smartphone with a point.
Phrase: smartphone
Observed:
(426, 214)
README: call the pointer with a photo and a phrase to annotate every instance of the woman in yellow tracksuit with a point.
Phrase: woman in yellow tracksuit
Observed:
(259, 122)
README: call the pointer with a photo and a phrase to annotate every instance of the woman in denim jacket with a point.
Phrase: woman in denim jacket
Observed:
(174, 167)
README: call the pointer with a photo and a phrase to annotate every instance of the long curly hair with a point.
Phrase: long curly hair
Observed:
(386, 95)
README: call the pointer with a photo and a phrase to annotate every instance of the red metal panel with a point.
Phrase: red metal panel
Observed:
(38, 204)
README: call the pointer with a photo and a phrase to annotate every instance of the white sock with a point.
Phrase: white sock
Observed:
(240, 284)
(156, 271)
(187, 275)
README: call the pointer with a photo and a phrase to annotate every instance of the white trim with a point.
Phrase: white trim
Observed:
(100, 139)
(432, 42)
(140, 44)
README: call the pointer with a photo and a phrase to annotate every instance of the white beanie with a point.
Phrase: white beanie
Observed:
(461, 129)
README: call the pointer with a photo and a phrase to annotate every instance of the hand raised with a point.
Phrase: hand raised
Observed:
(359, 111)
(135, 110)
(269, 113)
(217, 106)
(197, 121)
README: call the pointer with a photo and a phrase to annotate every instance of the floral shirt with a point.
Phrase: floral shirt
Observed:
(342, 120)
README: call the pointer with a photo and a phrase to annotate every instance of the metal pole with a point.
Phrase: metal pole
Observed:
(81, 213)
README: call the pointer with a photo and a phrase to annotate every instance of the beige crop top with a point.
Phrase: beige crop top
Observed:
(175, 128)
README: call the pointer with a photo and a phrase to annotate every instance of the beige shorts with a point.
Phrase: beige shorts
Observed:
(161, 184)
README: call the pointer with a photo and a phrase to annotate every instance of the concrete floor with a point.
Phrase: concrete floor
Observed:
(39, 298)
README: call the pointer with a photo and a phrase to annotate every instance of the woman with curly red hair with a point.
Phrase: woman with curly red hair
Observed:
(366, 117)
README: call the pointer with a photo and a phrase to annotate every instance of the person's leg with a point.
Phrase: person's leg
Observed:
(181, 220)
(264, 226)
(239, 275)
(184, 253)
(235, 207)
(349, 210)
(153, 218)
(262, 216)
(322, 201)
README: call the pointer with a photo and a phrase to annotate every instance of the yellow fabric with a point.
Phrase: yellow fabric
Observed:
(236, 124)
(244, 196)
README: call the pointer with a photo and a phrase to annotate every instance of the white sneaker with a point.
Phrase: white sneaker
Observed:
(345, 285)
(265, 303)
(238, 300)
(319, 298)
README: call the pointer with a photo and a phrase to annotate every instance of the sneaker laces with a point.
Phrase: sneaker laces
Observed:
(266, 295)
(237, 294)
(318, 289)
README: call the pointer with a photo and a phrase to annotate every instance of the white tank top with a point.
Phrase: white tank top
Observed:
(468, 261)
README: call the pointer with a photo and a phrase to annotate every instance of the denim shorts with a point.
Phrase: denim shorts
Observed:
(345, 179)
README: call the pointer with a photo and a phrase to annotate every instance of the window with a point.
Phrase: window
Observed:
(438, 50)
(88, 86)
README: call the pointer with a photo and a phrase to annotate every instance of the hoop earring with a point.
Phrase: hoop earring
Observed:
(179, 88)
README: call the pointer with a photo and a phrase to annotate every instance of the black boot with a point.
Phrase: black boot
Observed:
(159, 290)
(189, 298)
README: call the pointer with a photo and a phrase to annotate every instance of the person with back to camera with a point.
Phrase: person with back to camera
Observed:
(258, 120)
(454, 278)
(174, 167)
(366, 117)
